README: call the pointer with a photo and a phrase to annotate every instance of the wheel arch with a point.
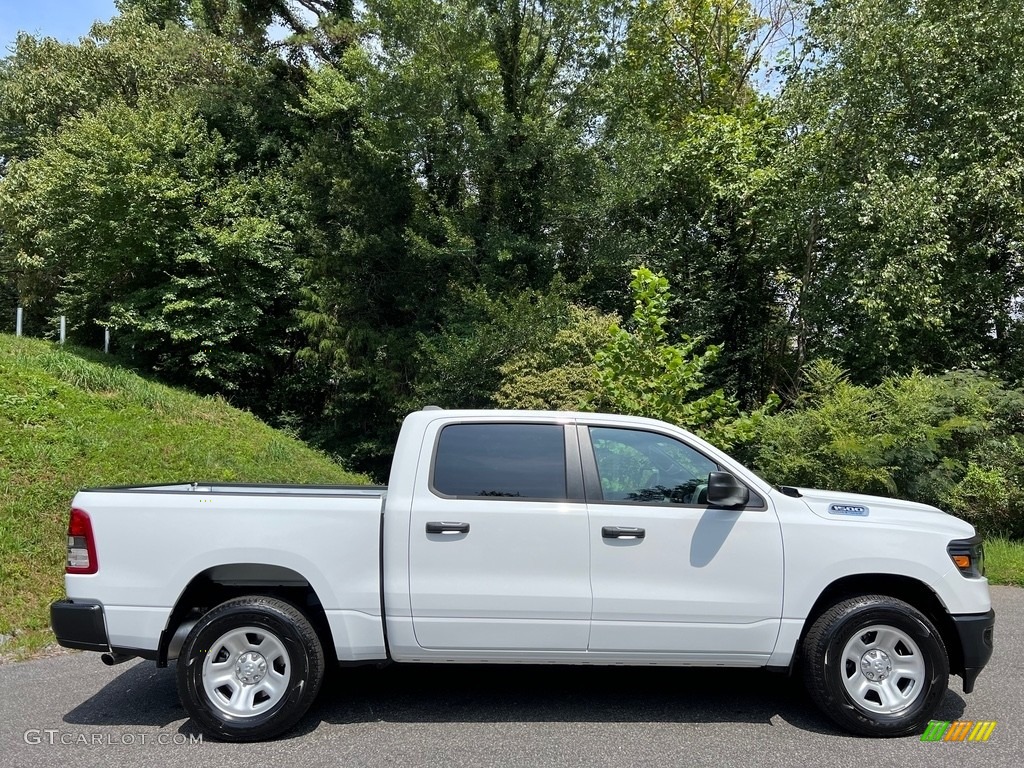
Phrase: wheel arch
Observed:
(905, 588)
(219, 583)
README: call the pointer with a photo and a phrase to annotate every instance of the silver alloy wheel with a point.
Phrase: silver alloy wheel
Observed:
(883, 669)
(246, 672)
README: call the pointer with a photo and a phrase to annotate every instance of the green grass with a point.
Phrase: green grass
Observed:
(69, 419)
(1004, 561)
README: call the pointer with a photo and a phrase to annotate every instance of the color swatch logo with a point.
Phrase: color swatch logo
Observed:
(958, 730)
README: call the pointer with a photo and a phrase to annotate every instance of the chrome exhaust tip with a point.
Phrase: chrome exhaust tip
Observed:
(110, 659)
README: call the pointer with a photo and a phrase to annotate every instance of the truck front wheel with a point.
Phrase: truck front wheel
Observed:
(876, 666)
(249, 669)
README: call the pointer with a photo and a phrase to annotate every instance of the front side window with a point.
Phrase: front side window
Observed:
(501, 460)
(646, 467)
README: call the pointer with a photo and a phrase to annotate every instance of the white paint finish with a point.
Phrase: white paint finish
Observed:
(894, 539)
(356, 636)
(700, 581)
(150, 545)
(785, 647)
(961, 595)
(135, 627)
(402, 642)
(403, 485)
(520, 578)
(483, 637)
(586, 658)
(717, 642)
(519, 561)
(228, 489)
(885, 512)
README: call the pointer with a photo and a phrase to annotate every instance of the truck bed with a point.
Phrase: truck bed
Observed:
(156, 541)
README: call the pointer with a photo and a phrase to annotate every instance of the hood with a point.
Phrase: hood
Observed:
(862, 508)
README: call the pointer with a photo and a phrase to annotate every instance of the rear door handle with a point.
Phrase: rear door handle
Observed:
(439, 527)
(620, 532)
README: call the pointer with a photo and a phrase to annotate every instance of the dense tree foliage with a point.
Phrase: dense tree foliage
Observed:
(143, 192)
(333, 213)
(896, 223)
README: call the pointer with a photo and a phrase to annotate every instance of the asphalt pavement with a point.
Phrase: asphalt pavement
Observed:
(71, 711)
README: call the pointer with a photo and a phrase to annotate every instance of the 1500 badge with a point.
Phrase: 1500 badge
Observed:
(848, 509)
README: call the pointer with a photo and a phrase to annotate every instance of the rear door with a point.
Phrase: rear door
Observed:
(499, 557)
(671, 574)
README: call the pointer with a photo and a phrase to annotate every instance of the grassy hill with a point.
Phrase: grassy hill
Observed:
(70, 419)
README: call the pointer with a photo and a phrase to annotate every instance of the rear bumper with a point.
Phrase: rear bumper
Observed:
(79, 625)
(975, 631)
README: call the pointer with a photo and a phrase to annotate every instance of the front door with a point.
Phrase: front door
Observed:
(670, 574)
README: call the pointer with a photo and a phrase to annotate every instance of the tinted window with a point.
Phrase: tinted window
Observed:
(518, 460)
(647, 467)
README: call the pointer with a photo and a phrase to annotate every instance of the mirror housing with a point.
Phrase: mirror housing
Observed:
(724, 490)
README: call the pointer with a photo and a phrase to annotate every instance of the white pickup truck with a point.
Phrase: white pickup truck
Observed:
(529, 538)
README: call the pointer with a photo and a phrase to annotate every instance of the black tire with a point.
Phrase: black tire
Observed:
(854, 688)
(271, 663)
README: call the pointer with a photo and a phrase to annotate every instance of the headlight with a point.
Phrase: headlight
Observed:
(968, 556)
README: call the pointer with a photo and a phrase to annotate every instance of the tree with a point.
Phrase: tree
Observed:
(142, 193)
(688, 139)
(953, 441)
(898, 212)
(446, 159)
(45, 83)
(640, 372)
(317, 29)
(559, 373)
(131, 219)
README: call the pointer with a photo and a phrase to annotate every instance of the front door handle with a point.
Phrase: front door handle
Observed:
(439, 527)
(621, 532)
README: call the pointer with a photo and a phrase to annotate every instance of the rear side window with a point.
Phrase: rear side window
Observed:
(504, 460)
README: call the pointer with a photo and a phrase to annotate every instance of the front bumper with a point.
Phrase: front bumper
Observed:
(975, 631)
(79, 625)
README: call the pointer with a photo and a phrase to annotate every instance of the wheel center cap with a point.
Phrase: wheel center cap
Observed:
(876, 665)
(250, 668)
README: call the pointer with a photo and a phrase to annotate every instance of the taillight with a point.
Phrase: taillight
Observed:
(81, 544)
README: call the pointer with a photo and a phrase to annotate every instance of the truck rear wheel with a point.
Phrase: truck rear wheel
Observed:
(876, 666)
(250, 669)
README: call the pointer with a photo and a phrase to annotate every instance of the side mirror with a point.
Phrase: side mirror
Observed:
(724, 490)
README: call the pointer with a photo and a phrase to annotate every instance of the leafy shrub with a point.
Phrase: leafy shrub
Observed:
(464, 365)
(561, 375)
(595, 363)
(952, 441)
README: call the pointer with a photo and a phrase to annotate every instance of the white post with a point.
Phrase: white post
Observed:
(63, 329)
(17, 323)
(106, 340)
